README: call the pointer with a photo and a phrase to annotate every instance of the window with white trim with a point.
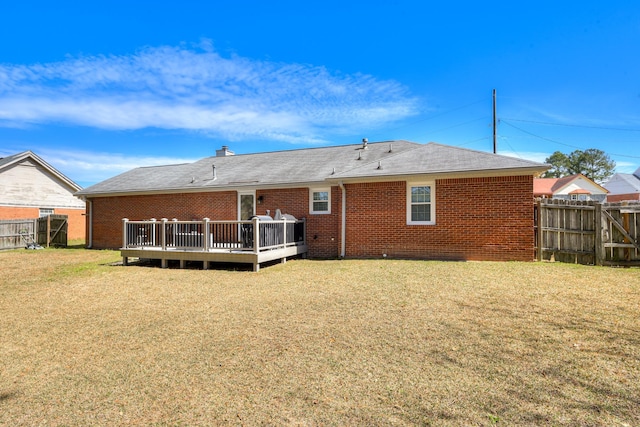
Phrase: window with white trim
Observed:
(421, 203)
(46, 212)
(320, 200)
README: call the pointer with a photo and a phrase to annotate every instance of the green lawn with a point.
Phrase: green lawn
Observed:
(87, 342)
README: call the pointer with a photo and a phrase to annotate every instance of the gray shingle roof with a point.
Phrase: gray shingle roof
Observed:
(10, 159)
(623, 183)
(307, 166)
(435, 158)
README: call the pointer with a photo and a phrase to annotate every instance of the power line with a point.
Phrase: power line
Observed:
(576, 126)
(560, 143)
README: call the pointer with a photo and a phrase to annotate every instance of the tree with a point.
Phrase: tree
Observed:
(593, 163)
(559, 165)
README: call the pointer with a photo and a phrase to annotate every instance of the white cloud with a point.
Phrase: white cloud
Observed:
(626, 167)
(199, 90)
(87, 168)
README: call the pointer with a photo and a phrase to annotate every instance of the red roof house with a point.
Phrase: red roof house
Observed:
(573, 187)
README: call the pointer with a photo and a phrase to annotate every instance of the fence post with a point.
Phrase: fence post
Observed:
(539, 231)
(48, 230)
(597, 228)
(35, 230)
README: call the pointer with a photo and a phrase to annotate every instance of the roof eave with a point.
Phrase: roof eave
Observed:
(201, 189)
(441, 174)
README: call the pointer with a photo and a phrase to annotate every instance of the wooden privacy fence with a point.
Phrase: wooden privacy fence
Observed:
(49, 230)
(12, 231)
(587, 232)
(52, 230)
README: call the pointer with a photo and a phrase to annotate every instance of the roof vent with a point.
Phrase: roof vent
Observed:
(379, 164)
(390, 148)
(359, 155)
(365, 141)
(224, 152)
(215, 176)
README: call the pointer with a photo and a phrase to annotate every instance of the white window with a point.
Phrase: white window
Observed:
(46, 212)
(421, 203)
(320, 200)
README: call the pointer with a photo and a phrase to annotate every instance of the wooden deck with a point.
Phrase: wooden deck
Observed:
(209, 241)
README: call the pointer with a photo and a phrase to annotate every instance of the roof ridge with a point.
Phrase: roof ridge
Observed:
(316, 148)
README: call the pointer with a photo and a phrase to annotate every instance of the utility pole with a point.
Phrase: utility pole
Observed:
(495, 125)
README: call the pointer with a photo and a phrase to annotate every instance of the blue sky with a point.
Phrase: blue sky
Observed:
(96, 89)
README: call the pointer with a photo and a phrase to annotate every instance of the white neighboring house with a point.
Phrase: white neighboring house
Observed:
(31, 188)
(624, 186)
(573, 187)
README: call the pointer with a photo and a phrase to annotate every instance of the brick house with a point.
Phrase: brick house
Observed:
(394, 199)
(31, 188)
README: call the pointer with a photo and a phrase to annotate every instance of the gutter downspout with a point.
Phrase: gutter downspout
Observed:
(90, 228)
(343, 228)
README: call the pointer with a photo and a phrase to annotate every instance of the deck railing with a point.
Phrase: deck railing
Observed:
(209, 235)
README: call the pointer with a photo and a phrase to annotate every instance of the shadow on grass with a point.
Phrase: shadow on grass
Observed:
(7, 395)
(197, 265)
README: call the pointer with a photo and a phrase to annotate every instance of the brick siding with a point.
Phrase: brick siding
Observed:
(108, 212)
(323, 230)
(476, 218)
(622, 197)
(76, 218)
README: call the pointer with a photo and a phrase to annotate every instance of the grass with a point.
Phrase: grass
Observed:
(87, 342)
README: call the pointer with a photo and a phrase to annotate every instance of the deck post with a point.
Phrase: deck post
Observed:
(124, 232)
(284, 233)
(153, 231)
(256, 235)
(174, 231)
(205, 234)
(164, 234)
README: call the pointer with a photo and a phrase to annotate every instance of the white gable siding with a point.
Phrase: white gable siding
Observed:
(28, 184)
(623, 184)
(580, 184)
